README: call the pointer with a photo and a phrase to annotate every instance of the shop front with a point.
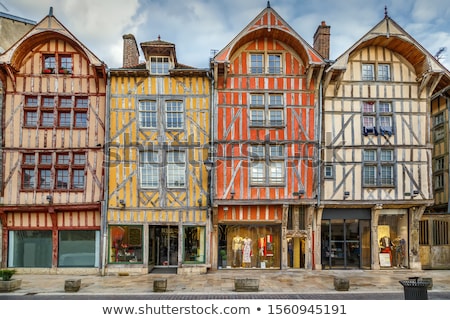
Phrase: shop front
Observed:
(345, 239)
(168, 246)
(392, 238)
(248, 237)
(249, 246)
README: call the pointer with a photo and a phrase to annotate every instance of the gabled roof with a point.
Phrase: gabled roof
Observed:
(270, 24)
(49, 27)
(388, 34)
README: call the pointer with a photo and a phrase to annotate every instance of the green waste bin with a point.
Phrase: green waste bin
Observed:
(415, 289)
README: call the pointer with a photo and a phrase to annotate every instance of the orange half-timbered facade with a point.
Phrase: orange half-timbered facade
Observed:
(265, 147)
(53, 135)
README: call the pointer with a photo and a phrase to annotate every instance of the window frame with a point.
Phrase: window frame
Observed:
(148, 114)
(56, 167)
(176, 169)
(267, 168)
(270, 63)
(178, 113)
(267, 110)
(149, 167)
(378, 167)
(159, 65)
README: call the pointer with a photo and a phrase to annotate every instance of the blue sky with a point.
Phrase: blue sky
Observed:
(198, 26)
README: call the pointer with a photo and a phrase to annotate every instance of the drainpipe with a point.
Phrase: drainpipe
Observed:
(106, 151)
(211, 154)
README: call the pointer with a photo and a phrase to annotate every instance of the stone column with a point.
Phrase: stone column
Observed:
(374, 238)
(415, 214)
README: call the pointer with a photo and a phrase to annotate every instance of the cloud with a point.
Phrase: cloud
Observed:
(98, 24)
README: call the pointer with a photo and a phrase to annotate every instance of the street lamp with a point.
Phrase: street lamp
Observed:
(209, 165)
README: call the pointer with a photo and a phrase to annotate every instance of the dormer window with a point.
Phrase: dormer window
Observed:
(159, 65)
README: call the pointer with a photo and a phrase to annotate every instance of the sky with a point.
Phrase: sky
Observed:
(198, 27)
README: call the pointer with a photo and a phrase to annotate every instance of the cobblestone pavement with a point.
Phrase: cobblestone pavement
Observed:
(273, 284)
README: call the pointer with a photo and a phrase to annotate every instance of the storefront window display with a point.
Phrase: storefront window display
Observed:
(392, 234)
(194, 244)
(249, 246)
(78, 248)
(125, 244)
(32, 248)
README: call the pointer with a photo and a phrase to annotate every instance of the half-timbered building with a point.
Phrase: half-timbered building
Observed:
(435, 223)
(158, 141)
(265, 138)
(376, 177)
(53, 133)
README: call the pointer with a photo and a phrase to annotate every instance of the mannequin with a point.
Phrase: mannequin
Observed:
(237, 250)
(247, 251)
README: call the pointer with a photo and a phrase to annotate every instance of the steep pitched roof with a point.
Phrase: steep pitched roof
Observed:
(388, 34)
(270, 24)
(49, 26)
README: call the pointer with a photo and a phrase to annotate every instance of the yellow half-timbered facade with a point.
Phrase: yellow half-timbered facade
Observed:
(159, 126)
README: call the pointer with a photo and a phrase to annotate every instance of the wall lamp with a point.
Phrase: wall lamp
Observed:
(299, 194)
(200, 202)
(208, 164)
(346, 194)
(415, 193)
(122, 202)
(49, 198)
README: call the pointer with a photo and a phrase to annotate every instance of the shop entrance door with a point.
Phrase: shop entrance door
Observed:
(163, 246)
(343, 243)
(296, 253)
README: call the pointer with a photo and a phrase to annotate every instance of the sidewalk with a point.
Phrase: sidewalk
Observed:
(222, 282)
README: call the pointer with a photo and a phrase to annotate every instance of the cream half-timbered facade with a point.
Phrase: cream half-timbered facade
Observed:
(53, 134)
(158, 185)
(376, 151)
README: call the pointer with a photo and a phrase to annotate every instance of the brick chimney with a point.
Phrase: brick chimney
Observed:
(130, 51)
(322, 40)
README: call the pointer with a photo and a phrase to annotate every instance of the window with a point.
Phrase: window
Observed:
(440, 232)
(28, 172)
(125, 243)
(174, 115)
(383, 72)
(57, 63)
(148, 114)
(149, 165)
(266, 110)
(49, 63)
(159, 65)
(68, 170)
(439, 181)
(78, 248)
(274, 63)
(31, 248)
(439, 164)
(267, 164)
(367, 72)
(266, 63)
(50, 111)
(65, 64)
(328, 171)
(256, 63)
(176, 169)
(380, 112)
(439, 119)
(378, 167)
(194, 244)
